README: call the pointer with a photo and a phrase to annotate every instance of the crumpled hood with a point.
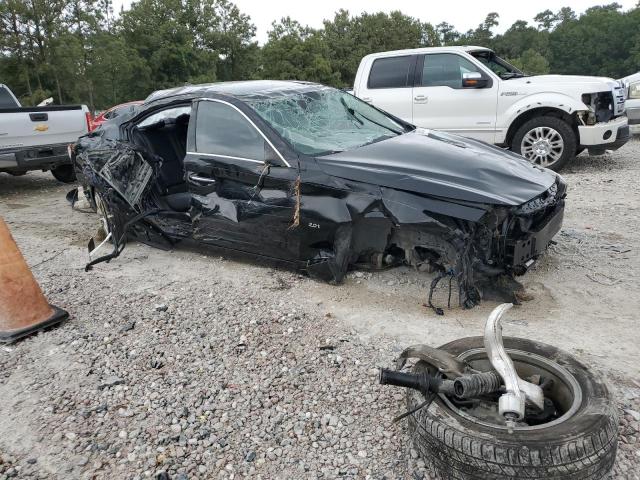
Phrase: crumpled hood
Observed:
(583, 83)
(442, 165)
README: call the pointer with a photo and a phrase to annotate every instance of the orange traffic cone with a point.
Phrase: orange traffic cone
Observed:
(23, 307)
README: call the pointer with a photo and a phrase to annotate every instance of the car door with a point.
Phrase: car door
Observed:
(441, 101)
(243, 190)
(389, 85)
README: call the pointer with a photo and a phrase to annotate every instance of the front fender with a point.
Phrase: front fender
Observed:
(558, 101)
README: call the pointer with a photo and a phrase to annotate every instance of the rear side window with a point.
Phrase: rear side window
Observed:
(445, 70)
(6, 100)
(392, 72)
(222, 130)
(168, 114)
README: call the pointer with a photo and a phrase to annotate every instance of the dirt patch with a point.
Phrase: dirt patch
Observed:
(241, 342)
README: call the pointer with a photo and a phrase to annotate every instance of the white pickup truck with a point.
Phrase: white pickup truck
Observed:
(36, 138)
(472, 92)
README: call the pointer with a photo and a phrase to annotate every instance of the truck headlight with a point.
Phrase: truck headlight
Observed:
(634, 90)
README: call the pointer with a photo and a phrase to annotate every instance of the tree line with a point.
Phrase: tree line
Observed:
(80, 51)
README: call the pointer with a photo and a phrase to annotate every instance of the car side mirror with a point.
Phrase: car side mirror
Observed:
(474, 80)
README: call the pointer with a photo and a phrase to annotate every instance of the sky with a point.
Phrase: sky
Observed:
(463, 14)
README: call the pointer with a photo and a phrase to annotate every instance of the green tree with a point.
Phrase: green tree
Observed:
(483, 35)
(531, 62)
(294, 52)
(15, 61)
(118, 72)
(546, 20)
(565, 14)
(447, 33)
(521, 37)
(219, 26)
(596, 43)
(351, 38)
(161, 32)
(79, 51)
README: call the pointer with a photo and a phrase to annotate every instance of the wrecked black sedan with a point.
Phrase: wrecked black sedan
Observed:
(311, 176)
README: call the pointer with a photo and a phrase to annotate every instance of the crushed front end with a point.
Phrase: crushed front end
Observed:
(485, 256)
(604, 126)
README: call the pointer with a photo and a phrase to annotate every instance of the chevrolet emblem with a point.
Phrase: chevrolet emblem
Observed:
(43, 127)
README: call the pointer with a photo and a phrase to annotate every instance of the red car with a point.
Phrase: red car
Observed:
(113, 112)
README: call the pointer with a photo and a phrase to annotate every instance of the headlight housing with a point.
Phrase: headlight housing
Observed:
(634, 90)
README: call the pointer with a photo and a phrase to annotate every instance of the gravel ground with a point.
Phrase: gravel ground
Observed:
(178, 365)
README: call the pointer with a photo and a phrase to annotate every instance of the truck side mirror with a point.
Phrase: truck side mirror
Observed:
(474, 80)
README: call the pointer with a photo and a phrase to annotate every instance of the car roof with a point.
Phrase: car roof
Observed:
(414, 51)
(123, 105)
(132, 102)
(244, 90)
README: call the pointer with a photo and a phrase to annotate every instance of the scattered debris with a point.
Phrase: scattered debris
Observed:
(603, 280)
(128, 326)
(111, 381)
(156, 363)
(452, 383)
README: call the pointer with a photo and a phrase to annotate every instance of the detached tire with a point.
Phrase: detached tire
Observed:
(64, 173)
(580, 447)
(546, 141)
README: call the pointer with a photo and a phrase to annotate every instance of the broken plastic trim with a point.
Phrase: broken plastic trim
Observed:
(120, 242)
(140, 174)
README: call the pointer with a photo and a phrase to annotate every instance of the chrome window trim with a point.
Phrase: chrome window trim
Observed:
(252, 124)
(225, 156)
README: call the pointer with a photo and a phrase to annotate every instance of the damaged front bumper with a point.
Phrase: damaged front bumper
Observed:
(604, 136)
(483, 257)
(526, 250)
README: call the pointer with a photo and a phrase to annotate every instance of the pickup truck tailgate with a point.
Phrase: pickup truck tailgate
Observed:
(35, 126)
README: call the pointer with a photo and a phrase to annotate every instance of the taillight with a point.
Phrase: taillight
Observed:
(89, 119)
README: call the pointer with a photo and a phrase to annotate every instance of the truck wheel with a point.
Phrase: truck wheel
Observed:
(464, 440)
(546, 141)
(64, 173)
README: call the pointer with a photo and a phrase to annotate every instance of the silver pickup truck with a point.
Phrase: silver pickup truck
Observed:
(36, 138)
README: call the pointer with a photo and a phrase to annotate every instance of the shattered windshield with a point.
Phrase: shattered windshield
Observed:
(325, 121)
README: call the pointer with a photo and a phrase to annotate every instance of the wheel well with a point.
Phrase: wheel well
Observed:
(539, 112)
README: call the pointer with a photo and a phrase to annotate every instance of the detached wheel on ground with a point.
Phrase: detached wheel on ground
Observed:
(546, 141)
(64, 173)
(467, 440)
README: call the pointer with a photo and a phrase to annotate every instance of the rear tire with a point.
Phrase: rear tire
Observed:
(546, 141)
(64, 173)
(581, 447)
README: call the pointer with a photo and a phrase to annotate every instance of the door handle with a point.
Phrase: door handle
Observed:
(367, 99)
(197, 178)
(39, 117)
(421, 99)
